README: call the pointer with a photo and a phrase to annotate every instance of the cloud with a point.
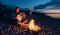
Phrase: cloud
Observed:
(55, 3)
(55, 13)
(51, 11)
(51, 7)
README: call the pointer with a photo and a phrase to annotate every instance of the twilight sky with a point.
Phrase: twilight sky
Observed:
(24, 3)
(47, 6)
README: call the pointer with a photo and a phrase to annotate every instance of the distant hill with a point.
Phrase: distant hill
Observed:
(43, 19)
(4, 11)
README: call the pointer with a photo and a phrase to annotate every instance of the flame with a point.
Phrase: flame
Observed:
(31, 24)
(33, 27)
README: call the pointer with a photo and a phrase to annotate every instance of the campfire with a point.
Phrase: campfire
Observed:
(31, 25)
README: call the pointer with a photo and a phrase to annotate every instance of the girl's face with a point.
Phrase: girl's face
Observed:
(17, 10)
(19, 17)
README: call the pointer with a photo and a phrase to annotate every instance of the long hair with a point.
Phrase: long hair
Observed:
(15, 10)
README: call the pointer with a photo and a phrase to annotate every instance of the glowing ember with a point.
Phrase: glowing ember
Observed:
(33, 27)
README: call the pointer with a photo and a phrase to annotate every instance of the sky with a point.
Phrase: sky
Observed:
(50, 7)
(46, 6)
(24, 3)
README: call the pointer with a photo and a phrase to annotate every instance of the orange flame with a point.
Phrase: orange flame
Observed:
(33, 27)
(31, 24)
